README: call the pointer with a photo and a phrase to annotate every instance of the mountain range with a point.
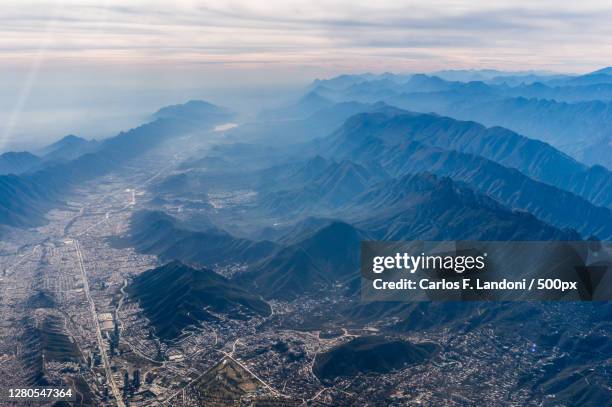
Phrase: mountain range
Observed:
(154, 232)
(571, 113)
(26, 198)
(277, 210)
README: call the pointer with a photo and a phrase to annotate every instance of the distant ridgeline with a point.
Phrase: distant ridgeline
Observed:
(570, 112)
(25, 198)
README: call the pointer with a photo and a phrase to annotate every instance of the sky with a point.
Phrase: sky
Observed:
(97, 66)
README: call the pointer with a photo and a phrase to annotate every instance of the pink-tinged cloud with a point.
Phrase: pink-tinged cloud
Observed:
(336, 35)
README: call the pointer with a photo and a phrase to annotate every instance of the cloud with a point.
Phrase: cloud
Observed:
(338, 33)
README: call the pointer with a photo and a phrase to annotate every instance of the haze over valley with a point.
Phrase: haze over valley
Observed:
(184, 191)
(213, 257)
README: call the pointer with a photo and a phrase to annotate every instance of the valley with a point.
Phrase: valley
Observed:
(194, 260)
(305, 204)
(70, 271)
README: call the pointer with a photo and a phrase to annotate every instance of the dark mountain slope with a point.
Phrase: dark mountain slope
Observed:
(370, 354)
(160, 234)
(426, 207)
(413, 207)
(23, 202)
(175, 296)
(328, 255)
(535, 159)
(509, 186)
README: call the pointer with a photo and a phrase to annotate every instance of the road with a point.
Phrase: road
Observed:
(272, 389)
(92, 306)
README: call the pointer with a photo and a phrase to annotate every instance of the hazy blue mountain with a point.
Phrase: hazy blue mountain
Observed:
(283, 133)
(596, 77)
(23, 201)
(322, 188)
(175, 296)
(425, 207)
(426, 83)
(18, 162)
(525, 79)
(494, 76)
(538, 90)
(593, 86)
(604, 71)
(371, 90)
(539, 110)
(155, 232)
(508, 186)
(384, 90)
(306, 106)
(68, 148)
(342, 81)
(194, 110)
(418, 206)
(292, 131)
(468, 75)
(571, 127)
(535, 159)
(325, 256)
(395, 150)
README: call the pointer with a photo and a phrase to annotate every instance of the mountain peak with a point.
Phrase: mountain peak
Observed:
(17, 162)
(193, 110)
(67, 141)
(204, 293)
(71, 138)
(313, 97)
(69, 147)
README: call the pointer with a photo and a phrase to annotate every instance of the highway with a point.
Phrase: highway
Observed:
(92, 306)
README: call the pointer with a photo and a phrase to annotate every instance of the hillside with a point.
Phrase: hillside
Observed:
(18, 162)
(370, 133)
(370, 354)
(155, 232)
(426, 207)
(176, 296)
(69, 148)
(329, 254)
